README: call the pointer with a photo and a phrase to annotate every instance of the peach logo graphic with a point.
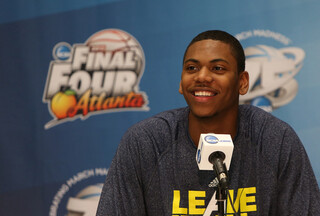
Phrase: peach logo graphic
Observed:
(100, 76)
(63, 103)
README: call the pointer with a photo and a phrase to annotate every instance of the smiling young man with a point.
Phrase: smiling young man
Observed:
(154, 171)
(211, 82)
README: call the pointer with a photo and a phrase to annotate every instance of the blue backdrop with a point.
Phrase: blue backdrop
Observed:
(55, 150)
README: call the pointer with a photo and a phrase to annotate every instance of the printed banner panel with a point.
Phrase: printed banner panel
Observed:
(77, 75)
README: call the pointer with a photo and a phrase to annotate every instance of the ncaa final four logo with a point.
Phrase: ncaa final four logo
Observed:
(102, 75)
(272, 68)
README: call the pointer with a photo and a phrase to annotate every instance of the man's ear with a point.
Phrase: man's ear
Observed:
(243, 82)
(180, 88)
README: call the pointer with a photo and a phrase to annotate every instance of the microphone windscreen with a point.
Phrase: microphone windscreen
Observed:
(210, 143)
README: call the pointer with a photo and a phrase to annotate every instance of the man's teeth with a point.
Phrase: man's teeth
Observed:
(204, 93)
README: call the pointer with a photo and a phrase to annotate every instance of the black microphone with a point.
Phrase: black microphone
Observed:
(216, 159)
(215, 153)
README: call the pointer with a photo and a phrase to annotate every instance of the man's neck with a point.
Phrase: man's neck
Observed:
(219, 124)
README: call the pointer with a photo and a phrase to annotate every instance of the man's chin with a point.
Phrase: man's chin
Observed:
(202, 114)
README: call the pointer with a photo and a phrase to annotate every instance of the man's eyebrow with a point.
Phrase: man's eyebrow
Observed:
(217, 60)
(212, 61)
(191, 60)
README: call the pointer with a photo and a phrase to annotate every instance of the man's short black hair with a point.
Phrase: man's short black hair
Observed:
(236, 48)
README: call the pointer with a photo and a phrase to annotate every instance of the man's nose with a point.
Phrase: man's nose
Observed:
(204, 75)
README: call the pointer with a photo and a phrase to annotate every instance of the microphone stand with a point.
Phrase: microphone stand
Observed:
(221, 196)
(220, 169)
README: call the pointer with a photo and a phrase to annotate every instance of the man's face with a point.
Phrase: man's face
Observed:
(210, 82)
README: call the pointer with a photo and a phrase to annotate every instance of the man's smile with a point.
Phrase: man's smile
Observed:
(204, 93)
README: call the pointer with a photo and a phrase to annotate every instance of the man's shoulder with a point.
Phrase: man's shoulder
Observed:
(162, 121)
(253, 114)
(156, 133)
(257, 122)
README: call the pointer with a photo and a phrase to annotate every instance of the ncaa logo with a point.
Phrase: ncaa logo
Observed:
(199, 156)
(211, 139)
(62, 51)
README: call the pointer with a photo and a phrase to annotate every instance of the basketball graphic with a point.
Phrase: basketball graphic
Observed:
(115, 40)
